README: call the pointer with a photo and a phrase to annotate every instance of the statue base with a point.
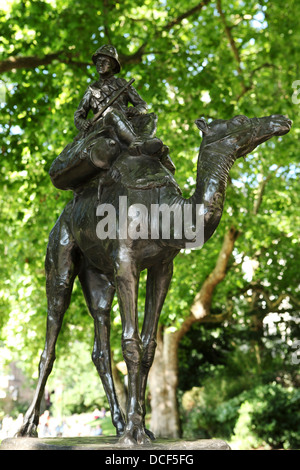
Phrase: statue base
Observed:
(110, 443)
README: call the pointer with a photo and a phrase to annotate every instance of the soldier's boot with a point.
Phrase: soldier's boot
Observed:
(137, 145)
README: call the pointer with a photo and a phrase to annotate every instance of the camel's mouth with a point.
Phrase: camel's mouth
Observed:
(282, 125)
(285, 127)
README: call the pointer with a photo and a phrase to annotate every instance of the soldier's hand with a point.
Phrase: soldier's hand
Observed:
(86, 125)
(132, 111)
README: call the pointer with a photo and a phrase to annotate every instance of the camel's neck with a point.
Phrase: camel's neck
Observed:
(212, 172)
(212, 175)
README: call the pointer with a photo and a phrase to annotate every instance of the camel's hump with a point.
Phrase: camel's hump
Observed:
(142, 172)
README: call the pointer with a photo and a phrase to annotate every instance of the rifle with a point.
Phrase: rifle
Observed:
(111, 101)
(83, 133)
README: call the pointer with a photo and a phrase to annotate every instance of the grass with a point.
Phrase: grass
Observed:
(106, 425)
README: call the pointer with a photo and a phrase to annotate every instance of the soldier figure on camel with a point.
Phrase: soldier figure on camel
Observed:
(128, 127)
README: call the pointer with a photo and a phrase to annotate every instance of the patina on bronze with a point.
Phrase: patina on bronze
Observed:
(120, 156)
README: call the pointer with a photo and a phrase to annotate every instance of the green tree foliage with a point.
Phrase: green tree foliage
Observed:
(189, 59)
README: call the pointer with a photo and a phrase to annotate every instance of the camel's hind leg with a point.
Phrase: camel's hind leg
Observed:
(99, 293)
(61, 269)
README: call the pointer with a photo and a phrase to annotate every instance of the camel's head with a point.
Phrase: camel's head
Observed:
(240, 135)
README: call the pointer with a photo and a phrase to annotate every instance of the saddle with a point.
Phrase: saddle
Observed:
(74, 167)
(140, 172)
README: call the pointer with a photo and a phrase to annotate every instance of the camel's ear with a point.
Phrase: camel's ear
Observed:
(202, 125)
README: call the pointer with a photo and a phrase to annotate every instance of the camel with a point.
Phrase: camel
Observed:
(113, 265)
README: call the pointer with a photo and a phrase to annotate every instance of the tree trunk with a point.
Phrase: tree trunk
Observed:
(163, 379)
(163, 376)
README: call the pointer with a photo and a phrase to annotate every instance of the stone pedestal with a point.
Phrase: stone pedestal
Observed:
(110, 444)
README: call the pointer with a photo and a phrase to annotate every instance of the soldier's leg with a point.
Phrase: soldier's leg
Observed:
(145, 125)
(136, 139)
(122, 127)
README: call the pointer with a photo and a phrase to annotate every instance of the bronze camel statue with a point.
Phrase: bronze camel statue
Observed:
(112, 265)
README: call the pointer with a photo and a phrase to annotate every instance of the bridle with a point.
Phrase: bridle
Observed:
(254, 127)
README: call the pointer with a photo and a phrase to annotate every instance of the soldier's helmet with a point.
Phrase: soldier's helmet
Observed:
(108, 51)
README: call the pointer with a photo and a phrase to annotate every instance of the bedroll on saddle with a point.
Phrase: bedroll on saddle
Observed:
(77, 164)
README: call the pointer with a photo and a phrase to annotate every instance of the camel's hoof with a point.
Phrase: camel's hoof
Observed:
(150, 434)
(119, 423)
(27, 430)
(133, 437)
(120, 430)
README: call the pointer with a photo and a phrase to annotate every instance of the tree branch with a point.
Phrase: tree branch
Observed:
(259, 197)
(231, 41)
(106, 7)
(201, 307)
(25, 62)
(230, 37)
(20, 62)
(202, 302)
(261, 190)
(136, 57)
(186, 14)
(273, 304)
(235, 50)
(236, 54)
(263, 66)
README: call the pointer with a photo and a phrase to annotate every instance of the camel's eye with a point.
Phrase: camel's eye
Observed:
(236, 122)
(240, 119)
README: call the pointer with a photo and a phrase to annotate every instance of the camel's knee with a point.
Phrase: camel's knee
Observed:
(61, 266)
(101, 316)
(132, 350)
(148, 353)
(47, 358)
(58, 297)
(62, 253)
(60, 269)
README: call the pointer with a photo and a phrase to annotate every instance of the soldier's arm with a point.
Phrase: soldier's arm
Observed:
(80, 115)
(139, 105)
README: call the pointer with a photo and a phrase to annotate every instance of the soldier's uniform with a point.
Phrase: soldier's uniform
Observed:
(97, 95)
(76, 163)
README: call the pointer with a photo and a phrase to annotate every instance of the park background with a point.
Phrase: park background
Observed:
(227, 361)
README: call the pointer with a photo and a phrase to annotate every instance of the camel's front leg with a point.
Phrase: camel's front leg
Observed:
(158, 282)
(127, 280)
